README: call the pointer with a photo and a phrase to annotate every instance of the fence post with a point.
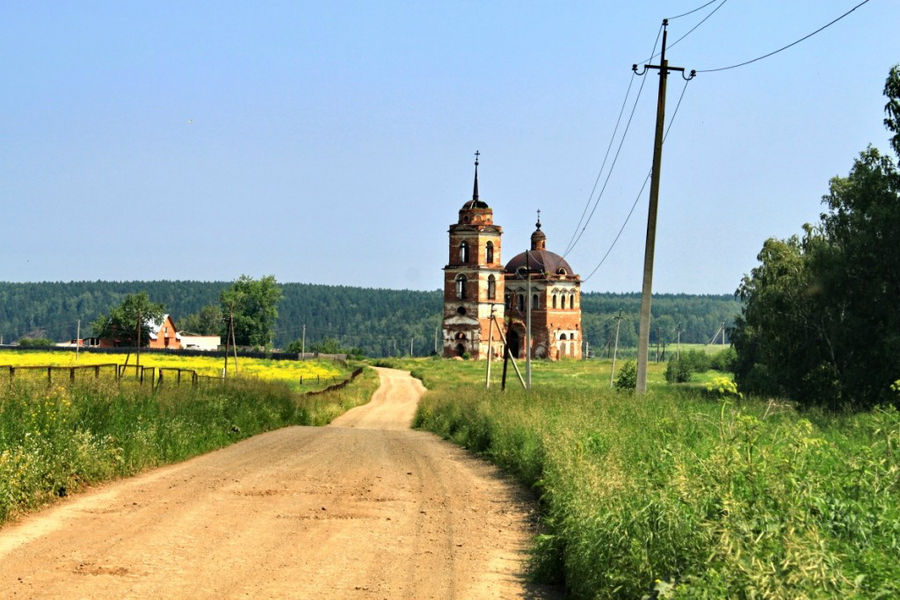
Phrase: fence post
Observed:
(97, 372)
(72, 374)
(49, 374)
(12, 373)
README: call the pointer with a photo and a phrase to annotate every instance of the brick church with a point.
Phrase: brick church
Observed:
(477, 284)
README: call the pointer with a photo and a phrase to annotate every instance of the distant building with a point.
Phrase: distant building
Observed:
(200, 342)
(163, 334)
(477, 286)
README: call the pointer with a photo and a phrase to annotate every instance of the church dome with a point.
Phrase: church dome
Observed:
(545, 261)
(539, 258)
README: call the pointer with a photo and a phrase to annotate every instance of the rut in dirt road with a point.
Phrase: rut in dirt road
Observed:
(364, 508)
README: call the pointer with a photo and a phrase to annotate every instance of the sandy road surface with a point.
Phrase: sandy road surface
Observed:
(365, 508)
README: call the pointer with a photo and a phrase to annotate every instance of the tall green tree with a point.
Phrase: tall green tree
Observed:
(207, 321)
(122, 322)
(254, 306)
(820, 321)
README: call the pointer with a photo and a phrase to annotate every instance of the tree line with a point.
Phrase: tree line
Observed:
(820, 322)
(378, 322)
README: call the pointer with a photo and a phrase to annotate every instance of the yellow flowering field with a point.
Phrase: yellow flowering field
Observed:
(311, 371)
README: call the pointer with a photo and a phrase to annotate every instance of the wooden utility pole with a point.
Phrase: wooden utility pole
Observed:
(646, 289)
(138, 358)
(490, 351)
(507, 356)
(612, 371)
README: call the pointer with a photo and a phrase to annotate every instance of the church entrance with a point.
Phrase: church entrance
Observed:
(515, 343)
(460, 344)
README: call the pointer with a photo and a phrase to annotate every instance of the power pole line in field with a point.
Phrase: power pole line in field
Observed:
(646, 289)
(612, 371)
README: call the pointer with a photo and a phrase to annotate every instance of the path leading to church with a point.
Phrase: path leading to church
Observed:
(364, 508)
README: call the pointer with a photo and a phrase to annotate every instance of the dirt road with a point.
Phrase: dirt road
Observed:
(364, 508)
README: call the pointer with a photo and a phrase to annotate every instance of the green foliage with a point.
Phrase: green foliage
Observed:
(892, 108)
(682, 366)
(677, 370)
(723, 360)
(820, 323)
(254, 306)
(379, 321)
(325, 346)
(687, 498)
(626, 379)
(35, 342)
(207, 321)
(121, 324)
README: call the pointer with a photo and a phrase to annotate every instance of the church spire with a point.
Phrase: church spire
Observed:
(538, 238)
(475, 188)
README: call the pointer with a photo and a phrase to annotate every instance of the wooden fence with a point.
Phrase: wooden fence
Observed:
(155, 376)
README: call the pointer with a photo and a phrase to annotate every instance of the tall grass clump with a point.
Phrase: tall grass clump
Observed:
(682, 494)
(57, 439)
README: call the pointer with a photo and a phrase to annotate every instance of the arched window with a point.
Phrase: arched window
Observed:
(535, 302)
(521, 301)
(492, 286)
(464, 252)
(489, 253)
(461, 286)
(508, 300)
(554, 300)
(572, 300)
(563, 300)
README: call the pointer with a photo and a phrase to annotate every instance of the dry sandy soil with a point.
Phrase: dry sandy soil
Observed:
(364, 508)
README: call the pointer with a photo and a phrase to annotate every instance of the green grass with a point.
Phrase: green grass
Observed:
(57, 439)
(683, 494)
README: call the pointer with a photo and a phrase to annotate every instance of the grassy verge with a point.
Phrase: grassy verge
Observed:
(679, 494)
(56, 439)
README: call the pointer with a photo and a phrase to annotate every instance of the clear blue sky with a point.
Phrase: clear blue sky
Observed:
(332, 142)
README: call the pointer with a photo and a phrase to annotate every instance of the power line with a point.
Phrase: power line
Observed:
(576, 236)
(806, 37)
(692, 29)
(603, 164)
(640, 192)
(690, 12)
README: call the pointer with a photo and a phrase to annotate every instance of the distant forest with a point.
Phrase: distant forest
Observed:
(379, 321)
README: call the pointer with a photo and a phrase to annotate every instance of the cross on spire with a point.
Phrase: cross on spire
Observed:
(538, 224)
(475, 188)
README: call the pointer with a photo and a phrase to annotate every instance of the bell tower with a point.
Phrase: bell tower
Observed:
(473, 281)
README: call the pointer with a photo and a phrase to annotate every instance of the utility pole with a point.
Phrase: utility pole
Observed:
(411, 346)
(138, 359)
(490, 351)
(528, 322)
(612, 371)
(303, 342)
(77, 337)
(657, 343)
(646, 289)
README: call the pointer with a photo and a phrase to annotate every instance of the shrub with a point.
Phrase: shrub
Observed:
(723, 360)
(35, 342)
(627, 377)
(677, 370)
